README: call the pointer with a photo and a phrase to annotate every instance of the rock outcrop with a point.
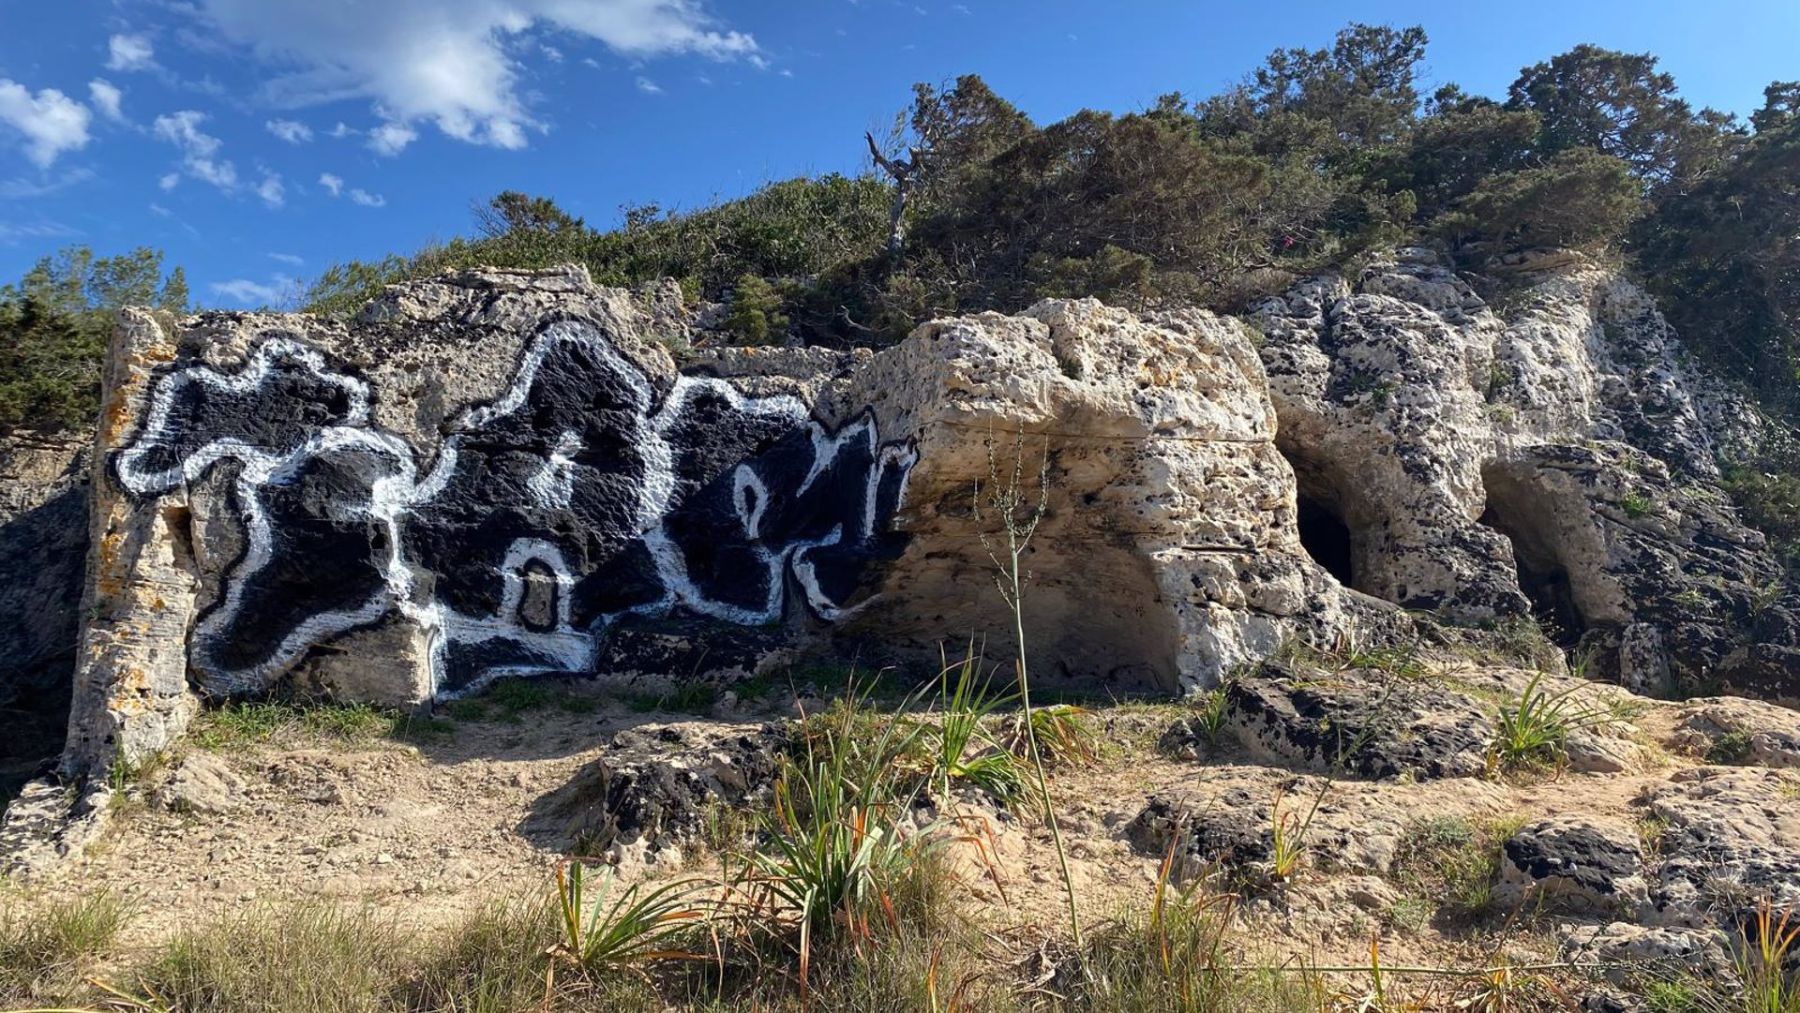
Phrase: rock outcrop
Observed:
(499, 473)
(43, 543)
(1558, 458)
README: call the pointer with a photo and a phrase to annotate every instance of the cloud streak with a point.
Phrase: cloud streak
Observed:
(291, 131)
(199, 150)
(106, 97)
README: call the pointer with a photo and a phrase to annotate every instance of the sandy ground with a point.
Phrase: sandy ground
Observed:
(428, 831)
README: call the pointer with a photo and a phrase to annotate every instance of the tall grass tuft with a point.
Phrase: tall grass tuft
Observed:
(306, 958)
(44, 947)
(1535, 726)
(1768, 962)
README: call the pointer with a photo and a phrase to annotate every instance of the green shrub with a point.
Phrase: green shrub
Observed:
(1580, 199)
(755, 316)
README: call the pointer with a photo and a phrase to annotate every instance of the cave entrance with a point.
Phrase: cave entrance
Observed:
(1518, 510)
(1323, 515)
(1326, 538)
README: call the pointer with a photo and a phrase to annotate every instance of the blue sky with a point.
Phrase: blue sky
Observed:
(258, 141)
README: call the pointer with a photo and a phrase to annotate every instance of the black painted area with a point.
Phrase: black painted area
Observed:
(326, 556)
(278, 414)
(591, 494)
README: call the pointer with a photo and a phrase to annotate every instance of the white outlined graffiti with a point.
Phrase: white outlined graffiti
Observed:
(622, 499)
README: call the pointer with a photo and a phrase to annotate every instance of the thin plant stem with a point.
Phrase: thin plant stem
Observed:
(1011, 578)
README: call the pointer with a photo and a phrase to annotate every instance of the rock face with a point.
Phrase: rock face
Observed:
(1559, 458)
(43, 541)
(503, 473)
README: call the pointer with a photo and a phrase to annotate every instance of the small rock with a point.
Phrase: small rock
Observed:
(201, 784)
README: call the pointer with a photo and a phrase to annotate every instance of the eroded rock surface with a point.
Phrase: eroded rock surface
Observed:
(1359, 723)
(1557, 458)
(656, 786)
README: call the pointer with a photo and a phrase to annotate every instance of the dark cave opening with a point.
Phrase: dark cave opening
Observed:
(1520, 512)
(1325, 508)
(1326, 538)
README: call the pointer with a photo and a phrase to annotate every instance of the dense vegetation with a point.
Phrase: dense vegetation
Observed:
(1316, 157)
(54, 326)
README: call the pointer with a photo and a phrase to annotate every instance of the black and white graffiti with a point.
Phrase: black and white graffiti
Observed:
(582, 495)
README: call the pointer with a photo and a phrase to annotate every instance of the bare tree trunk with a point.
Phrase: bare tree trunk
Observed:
(901, 172)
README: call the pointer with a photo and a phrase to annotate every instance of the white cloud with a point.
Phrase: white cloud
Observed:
(22, 188)
(271, 191)
(10, 234)
(551, 53)
(342, 130)
(648, 86)
(199, 151)
(159, 211)
(169, 180)
(279, 290)
(130, 52)
(105, 97)
(448, 62)
(50, 122)
(287, 258)
(367, 199)
(335, 184)
(291, 131)
(392, 137)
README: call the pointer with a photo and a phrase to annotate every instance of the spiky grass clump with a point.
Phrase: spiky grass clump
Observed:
(1535, 726)
(962, 749)
(1062, 732)
(602, 928)
(44, 947)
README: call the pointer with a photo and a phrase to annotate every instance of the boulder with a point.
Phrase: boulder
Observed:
(1728, 840)
(201, 785)
(1576, 864)
(1359, 723)
(1733, 730)
(649, 795)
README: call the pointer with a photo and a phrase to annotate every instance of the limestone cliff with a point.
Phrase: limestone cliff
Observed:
(1559, 457)
(499, 473)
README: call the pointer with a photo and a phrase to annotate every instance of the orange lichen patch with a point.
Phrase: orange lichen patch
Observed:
(114, 418)
(159, 351)
(108, 581)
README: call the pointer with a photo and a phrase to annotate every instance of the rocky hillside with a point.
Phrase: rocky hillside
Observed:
(1405, 541)
(494, 473)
